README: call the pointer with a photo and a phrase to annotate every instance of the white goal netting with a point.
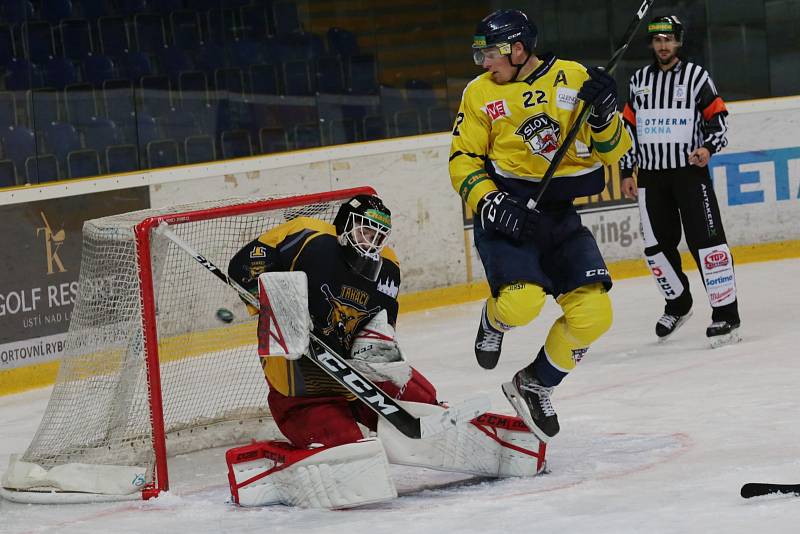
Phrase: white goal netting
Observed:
(212, 386)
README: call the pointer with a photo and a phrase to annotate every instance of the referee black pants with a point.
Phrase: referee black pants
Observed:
(675, 199)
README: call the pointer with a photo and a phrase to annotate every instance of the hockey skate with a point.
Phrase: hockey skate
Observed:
(668, 323)
(487, 343)
(531, 400)
(722, 333)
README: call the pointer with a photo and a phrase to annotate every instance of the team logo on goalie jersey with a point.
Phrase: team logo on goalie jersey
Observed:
(541, 133)
(345, 319)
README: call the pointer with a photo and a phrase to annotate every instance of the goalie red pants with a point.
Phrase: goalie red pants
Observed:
(333, 421)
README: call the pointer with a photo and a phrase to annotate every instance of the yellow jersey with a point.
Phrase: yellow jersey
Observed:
(505, 136)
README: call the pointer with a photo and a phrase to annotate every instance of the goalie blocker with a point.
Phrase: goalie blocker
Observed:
(355, 474)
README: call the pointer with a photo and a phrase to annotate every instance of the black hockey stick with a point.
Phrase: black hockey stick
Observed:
(576, 126)
(756, 489)
(356, 383)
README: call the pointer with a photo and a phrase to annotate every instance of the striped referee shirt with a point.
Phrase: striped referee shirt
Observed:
(671, 113)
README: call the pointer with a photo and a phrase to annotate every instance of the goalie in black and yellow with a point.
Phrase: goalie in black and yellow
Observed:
(353, 280)
(512, 119)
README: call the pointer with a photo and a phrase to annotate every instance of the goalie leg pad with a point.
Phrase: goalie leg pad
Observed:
(490, 445)
(345, 476)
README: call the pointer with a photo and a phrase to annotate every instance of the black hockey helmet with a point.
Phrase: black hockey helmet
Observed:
(665, 25)
(363, 225)
(502, 29)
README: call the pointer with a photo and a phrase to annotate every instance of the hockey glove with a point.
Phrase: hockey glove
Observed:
(508, 215)
(599, 91)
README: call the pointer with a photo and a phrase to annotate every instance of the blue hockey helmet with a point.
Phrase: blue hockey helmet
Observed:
(502, 29)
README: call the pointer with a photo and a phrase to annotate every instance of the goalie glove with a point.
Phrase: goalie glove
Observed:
(375, 353)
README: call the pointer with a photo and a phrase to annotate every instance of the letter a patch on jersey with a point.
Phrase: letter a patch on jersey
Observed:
(541, 133)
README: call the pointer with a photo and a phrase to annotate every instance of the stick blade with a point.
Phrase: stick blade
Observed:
(457, 414)
(757, 489)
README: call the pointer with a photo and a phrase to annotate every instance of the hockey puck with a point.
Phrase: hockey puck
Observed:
(224, 315)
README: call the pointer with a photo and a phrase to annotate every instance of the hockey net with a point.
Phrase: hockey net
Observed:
(152, 367)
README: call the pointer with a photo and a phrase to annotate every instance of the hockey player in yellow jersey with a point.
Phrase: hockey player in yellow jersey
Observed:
(511, 121)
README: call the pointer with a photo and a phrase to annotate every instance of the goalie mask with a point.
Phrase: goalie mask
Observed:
(363, 225)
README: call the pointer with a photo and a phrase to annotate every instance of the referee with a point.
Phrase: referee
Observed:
(677, 121)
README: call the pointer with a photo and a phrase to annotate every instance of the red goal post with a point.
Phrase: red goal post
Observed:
(149, 368)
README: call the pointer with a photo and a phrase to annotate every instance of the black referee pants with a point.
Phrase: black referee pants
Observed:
(684, 198)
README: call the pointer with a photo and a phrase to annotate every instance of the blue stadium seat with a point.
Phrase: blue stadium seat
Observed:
(193, 87)
(62, 138)
(118, 100)
(286, 17)
(329, 75)
(342, 42)
(236, 144)
(43, 106)
(8, 49)
(306, 135)
(155, 94)
(60, 72)
(83, 163)
(162, 153)
(273, 140)
(54, 10)
(362, 75)
(199, 149)
(19, 143)
(41, 169)
(99, 133)
(297, 78)
(8, 110)
(167, 6)
(97, 69)
(21, 74)
(264, 79)
(149, 31)
(16, 11)
(114, 38)
(122, 158)
(255, 24)
(186, 29)
(76, 38)
(37, 40)
(80, 103)
(8, 174)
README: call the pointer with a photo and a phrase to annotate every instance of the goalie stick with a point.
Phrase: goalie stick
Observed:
(573, 131)
(757, 489)
(337, 368)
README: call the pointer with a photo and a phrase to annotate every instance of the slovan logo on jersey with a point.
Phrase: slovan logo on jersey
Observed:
(541, 133)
